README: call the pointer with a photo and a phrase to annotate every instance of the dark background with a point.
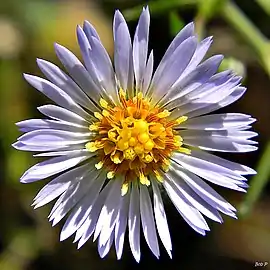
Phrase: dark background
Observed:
(28, 29)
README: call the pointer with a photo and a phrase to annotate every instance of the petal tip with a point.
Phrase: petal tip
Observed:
(86, 23)
(58, 47)
(80, 244)
(26, 76)
(23, 181)
(15, 144)
(63, 236)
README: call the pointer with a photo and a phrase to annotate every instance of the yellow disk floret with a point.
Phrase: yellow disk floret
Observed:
(135, 140)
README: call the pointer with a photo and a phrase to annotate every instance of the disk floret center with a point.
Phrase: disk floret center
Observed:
(134, 139)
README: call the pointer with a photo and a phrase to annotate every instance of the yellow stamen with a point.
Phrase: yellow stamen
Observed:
(181, 119)
(178, 141)
(117, 158)
(143, 179)
(124, 189)
(103, 103)
(140, 95)
(122, 93)
(129, 154)
(112, 134)
(93, 127)
(163, 114)
(98, 115)
(110, 175)
(158, 176)
(148, 158)
(184, 150)
(91, 146)
(165, 165)
(99, 165)
(105, 113)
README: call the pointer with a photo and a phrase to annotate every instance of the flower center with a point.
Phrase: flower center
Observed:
(134, 139)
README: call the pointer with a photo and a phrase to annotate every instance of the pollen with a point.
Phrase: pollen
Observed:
(135, 139)
(99, 165)
(103, 103)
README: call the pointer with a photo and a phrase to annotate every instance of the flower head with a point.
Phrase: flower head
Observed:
(120, 134)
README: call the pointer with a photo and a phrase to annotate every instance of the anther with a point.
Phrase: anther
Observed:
(99, 165)
(158, 176)
(144, 180)
(98, 115)
(184, 150)
(110, 174)
(103, 103)
(148, 158)
(124, 189)
(181, 119)
(91, 146)
(129, 154)
(105, 113)
(117, 158)
(163, 114)
(93, 127)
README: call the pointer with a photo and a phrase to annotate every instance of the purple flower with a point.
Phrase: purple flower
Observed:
(118, 135)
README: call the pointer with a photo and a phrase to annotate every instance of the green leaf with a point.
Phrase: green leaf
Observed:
(209, 8)
(265, 5)
(176, 23)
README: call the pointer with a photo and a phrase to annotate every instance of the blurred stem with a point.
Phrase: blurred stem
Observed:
(200, 26)
(253, 36)
(257, 184)
(156, 7)
(206, 10)
(265, 5)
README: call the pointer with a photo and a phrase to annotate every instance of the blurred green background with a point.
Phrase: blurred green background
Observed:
(28, 29)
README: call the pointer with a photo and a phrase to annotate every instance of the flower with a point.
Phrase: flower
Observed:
(114, 142)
